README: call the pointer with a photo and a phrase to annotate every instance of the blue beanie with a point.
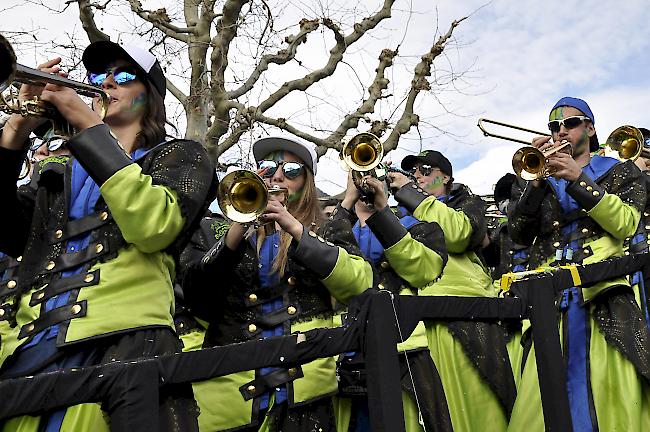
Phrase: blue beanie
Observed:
(578, 104)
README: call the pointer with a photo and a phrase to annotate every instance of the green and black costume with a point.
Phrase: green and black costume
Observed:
(223, 287)
(471, 356)
(120, 300)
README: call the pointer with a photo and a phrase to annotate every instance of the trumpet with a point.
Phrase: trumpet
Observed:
(487, 133)
(363, 152)
(243, 196)
(625, 143)
(362, 155)
(530, 163)
(11, 72)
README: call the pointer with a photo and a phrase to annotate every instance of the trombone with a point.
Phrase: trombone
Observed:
(243, 196)
(487, 133)
(528, 162)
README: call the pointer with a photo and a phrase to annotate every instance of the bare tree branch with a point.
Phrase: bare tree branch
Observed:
(281, 57)
(408, 118)
(379, 84)
(220, 117)
(161, 21)
(226, 32)
(87, 18)
(177, 93)
(336, 54)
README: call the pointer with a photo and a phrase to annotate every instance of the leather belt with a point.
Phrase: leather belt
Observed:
(74, 259)
(6, 311)
(79, 226)
(185, 324)
(53, 317)
(267, 382)
(64, 284)
(270, 320)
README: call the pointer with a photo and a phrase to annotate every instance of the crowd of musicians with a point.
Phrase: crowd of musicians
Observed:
(109, 253)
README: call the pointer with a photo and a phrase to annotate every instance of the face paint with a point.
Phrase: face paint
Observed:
(437, 181)
(557, 114)
(584, 140)
(294, 196)
(138, 103)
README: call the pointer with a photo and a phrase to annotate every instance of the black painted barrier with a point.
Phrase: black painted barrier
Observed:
(128, 389)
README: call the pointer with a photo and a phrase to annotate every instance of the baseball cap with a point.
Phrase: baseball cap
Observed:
(428, 157)
(583, 107)
(305, 151)
(98, 55)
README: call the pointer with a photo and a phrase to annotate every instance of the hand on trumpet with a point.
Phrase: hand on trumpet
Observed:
(276, 212)
(22, 125)
(398, 180)
(66, 100)
(71, 106)
(380, 200)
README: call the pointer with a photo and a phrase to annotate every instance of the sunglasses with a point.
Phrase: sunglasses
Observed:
(290, 169)
(121, 75)
(569, 123)
(425, 170)
(52, 145)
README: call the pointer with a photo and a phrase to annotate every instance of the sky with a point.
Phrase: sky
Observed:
(510, 61)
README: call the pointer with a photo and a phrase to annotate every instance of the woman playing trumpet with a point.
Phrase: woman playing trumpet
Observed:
(99, 234)
(274, 284)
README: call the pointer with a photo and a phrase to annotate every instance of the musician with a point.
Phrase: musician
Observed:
(99, 234)
(272, 284)
(581, 214)
(407, 255)
(638, 243)
(470, 356)
(502, 254)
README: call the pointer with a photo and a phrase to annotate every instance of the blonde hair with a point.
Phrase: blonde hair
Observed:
(306, 210)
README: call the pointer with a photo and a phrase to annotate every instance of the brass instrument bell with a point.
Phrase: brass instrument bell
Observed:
(530, 163)
(363, 152)
(243, 196)
(625, 143)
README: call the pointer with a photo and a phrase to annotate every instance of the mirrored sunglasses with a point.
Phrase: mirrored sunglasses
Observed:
(569, 123)
(290, 169)
(121, 75)
(52, 144)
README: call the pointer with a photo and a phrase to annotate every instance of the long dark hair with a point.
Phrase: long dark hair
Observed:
(307, 211)
(152, 125)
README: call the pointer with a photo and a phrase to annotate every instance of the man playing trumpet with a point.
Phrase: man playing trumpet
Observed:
(581, 214)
